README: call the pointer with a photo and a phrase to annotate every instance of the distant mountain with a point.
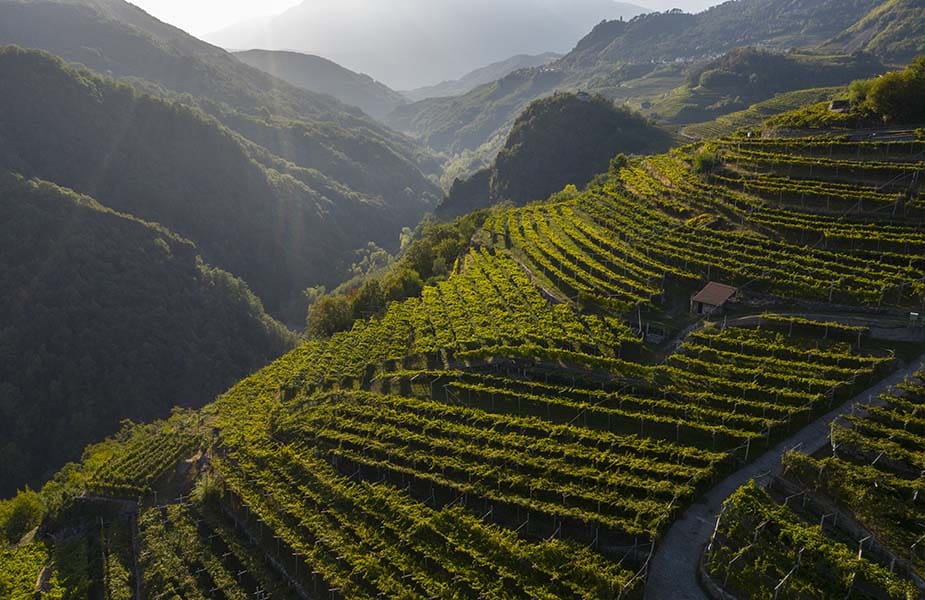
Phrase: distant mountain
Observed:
(746, 76)
(691, 6)
(894, 30)
(780, 24)
(412, 43)
(323, 76)
(645, 57)
(561, 140)
(280, 227)
(104, 317)
(117, 39)
(472, 80)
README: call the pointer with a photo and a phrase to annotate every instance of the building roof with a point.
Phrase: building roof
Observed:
(715, 294)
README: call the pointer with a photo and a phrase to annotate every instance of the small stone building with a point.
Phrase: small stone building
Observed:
(712, 299)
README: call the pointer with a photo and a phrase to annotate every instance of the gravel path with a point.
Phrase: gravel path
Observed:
(673, 572)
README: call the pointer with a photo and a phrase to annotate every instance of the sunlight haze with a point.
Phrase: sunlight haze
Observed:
(205, 16)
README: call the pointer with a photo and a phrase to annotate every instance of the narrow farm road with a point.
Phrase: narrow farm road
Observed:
(673, 571)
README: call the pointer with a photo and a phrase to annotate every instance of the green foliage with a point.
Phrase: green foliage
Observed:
(429, 256)
(20, 515)
(402, 282)
(328, 315)
(208, 489)
(19, 571)
(755, 115)
(105, 317)
(705, 161)
(768, 542)
(292, 225)
(71, 559)
(617, 164)
(894, 98)
(894, 29)
(557, 141)
(815, 116)
(567, 139)
(745, 76)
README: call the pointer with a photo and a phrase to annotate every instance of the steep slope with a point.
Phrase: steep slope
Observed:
(323, 76)
(561, 140)
(117, 39)
(104, 317)
(746, 76)
(755, 115)
(518, 430)
(454, 125)
(674, 35)
(278, 227)
(481, 76)
(635, 60)
(121, 40)
(442, 40)
(894, 30)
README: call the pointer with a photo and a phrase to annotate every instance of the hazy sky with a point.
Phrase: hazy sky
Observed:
(200, 17)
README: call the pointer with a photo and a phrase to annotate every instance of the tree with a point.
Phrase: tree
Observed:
(402, 283)
(898, 96)
(21, 515)
(368, 299)
(329, 315)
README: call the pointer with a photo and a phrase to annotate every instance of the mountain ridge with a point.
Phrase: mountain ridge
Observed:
(443, 40)
(292, 227)
(637, 59)
(481, 76)
(323, 76)
(559, 141)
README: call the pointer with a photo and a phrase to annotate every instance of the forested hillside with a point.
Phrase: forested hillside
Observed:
(894, 30)
(654, 61)
(323, 76)
(562, 140)
(778, 24)
(745, 76)
(118, 39)
(104, 317)
(290, 227)
(380, 178)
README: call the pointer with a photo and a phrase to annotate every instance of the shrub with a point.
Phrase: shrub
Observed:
(21, 515)
(706, 161)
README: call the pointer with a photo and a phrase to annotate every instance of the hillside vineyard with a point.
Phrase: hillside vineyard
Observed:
(522, 429)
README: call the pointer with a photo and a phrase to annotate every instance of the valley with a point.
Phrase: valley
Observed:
(643, 321)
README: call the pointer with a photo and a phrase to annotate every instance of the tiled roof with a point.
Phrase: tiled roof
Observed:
(715, 294)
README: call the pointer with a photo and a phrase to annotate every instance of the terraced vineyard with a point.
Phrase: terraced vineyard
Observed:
(855, 510)
(146, 453)
(513, 432)
(598, 465)
(616, 246)
(757, 114)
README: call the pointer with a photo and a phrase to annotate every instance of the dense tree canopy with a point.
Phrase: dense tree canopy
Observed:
(561, 140)
(105, 317)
